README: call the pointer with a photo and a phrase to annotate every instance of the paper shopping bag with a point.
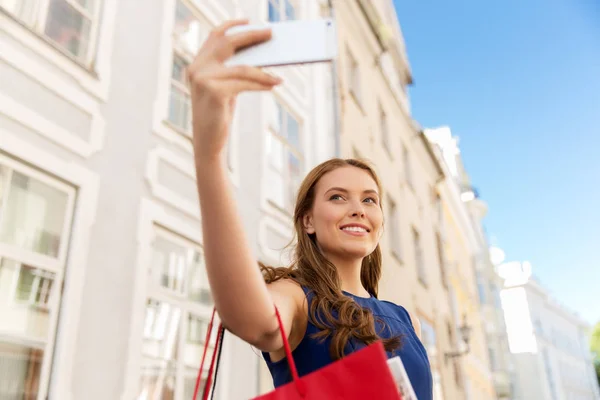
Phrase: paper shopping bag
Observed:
(362, 375)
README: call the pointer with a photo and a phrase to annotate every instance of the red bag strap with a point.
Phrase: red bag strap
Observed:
(300, 386)
(206, 340)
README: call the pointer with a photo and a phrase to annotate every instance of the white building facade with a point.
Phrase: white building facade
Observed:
(548, 343)
(103, 293)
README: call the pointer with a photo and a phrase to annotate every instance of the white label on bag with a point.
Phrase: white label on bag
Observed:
(401, 378)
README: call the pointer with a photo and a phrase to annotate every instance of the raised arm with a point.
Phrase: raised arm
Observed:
(242, 299)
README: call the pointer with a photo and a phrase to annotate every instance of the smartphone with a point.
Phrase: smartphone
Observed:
(292, 42)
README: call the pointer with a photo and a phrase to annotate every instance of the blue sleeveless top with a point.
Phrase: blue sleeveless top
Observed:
(311, 354)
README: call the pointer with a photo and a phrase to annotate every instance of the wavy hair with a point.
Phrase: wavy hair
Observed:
(311, 269)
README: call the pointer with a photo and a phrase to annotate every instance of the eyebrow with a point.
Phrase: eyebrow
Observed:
(339, 189)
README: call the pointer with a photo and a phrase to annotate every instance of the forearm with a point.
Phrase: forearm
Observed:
(240, 294)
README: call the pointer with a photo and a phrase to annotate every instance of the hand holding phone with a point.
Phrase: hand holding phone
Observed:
(292, 42)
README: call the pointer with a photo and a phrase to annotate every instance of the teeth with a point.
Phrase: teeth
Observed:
(354, 229)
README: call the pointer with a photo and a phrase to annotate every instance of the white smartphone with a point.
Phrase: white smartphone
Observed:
(292, 42)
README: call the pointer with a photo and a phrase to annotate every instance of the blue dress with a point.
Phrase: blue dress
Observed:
(311, 354)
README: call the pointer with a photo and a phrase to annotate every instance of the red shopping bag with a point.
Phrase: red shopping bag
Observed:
(362, 375)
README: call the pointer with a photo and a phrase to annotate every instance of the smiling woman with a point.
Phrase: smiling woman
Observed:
(327, 298)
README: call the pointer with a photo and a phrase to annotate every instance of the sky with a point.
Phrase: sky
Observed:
(519, 83)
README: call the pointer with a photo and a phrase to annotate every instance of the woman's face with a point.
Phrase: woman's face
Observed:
(346, 216)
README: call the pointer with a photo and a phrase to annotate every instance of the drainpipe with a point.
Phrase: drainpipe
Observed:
(335, 94)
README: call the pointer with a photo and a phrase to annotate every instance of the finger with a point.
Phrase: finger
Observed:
(236, 86)
(248, 73)
(250, 38)
(221, 29)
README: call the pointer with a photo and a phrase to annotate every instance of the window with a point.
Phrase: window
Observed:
(419, 262)
(35, 216)
(394, 218)
(441, 259)
(281, 10)
(480, 287)
(179, 301)
(190, 30)
(70, 24)
(384, 128)
(493, 360)
(407, 166)
(354, 86)
(285, 157)
(430, 343)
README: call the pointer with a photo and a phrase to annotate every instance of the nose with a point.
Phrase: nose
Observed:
(357, 209)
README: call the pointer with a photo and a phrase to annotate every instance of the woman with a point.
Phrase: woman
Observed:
(327, 299)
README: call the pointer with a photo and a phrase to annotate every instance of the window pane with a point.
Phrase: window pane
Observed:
(189, 383)
(179, 67)
(275, 153)
(295, 176)
(198, 288)
(34, 286)
(32, 322)
(194, 341)
(34, 216)
(25, 10)
(169, 264)
(20, 368)
(87, 4)
(274, 11)
(161, 330)
(157, 381)
(188, 30)
(290, 13)
(179, 109)
(68, 27)
(293, 132)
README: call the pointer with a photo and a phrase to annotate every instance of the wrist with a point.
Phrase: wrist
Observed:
(209, 166)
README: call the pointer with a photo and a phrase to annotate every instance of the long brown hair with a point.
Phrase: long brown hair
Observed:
(311, 269)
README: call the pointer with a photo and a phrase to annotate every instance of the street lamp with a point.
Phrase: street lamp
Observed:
(465, 334)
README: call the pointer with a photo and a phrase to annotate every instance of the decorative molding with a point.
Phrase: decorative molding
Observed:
(52, 131)
(186, 205)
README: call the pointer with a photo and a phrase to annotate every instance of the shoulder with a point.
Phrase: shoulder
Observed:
(410, 317)
(287, 288)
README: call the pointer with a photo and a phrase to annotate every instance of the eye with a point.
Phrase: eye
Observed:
(371, 200)
(336, 197)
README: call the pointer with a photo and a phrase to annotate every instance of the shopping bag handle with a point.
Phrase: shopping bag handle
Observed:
(300, 385)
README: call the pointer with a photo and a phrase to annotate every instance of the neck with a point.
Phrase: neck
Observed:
(349, 273)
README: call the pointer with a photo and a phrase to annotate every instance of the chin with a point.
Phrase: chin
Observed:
(357, 251)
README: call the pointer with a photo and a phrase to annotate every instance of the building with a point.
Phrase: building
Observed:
(464, 250)
(546, 340)
(488, 282)
(103, 293)
(376, 124)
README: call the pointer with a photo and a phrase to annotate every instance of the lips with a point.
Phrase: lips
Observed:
(359, 228)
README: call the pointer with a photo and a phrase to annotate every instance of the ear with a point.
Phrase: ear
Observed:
(307, 221)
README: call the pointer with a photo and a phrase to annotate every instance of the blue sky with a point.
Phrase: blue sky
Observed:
(519, 83)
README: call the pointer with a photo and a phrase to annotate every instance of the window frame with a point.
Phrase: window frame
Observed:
(188, 308)
(288, 148)
(57, 266)
(354, 78)
(419, 256)
(395, 233)
(280, 5)
(408, 173)
(38, 27)
(384, 129)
